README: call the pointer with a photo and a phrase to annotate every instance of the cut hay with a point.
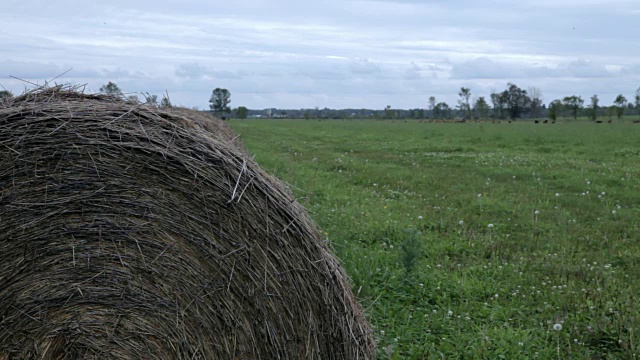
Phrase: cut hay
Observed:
(130, 232)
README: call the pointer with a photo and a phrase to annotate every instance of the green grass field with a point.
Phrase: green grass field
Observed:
(473, 241)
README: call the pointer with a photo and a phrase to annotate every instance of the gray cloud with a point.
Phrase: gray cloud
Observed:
(414, 72)
(191, 70)
(334, 53)
(484, 68)
(41, 70)
(364, 67)
(195, 70)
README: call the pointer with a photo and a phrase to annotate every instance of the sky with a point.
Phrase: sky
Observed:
(332, 53)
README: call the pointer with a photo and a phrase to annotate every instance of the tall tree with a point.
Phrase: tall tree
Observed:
(481, 108)
(220, 100)
(517, 100)
(110, 88)
(499, 102)
(638, 101)
(463, 103)
(442, 110)
(573, 103)
(620, 103)
(555, 107)
(388, 113)
(432, 105)
(242, 112)
(536, 102)
(593, 107)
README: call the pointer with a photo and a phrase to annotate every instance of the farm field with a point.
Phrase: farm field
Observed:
(475, 241)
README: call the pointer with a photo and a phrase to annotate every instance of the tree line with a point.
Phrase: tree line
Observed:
(512, 103)
(515, 103)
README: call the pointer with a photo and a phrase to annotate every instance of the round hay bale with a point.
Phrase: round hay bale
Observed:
(129, 232)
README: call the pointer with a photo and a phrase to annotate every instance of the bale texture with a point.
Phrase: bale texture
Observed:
(130, 232)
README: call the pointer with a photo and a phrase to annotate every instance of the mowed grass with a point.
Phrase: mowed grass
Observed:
(472, 241)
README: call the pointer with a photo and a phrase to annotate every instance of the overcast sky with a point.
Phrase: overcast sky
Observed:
(330, 53)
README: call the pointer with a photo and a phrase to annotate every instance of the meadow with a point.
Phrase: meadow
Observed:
(476, 240)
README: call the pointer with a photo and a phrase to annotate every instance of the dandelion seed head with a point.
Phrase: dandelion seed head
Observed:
(557, 327)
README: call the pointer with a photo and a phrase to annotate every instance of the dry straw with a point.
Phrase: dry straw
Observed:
(132, 232)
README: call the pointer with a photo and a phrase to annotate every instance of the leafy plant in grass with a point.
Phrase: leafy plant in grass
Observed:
(411, 249)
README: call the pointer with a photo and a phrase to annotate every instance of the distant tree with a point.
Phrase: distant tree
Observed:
(463, 103)
(307, 115)
(536, 102)
(5, 94)
(620, 103)
(388, 113)
(219, 101)
(481, 108)
(573, 103)
(638, 101)
(133, 99)
(555, 107)
(432, 105)
(165, 102)
(110, 88)
(499, 101)
(593, 107)
(442, 110)
(611, 111)
(242, 112)
(517, 100)
(420, 114)
(151, 100)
